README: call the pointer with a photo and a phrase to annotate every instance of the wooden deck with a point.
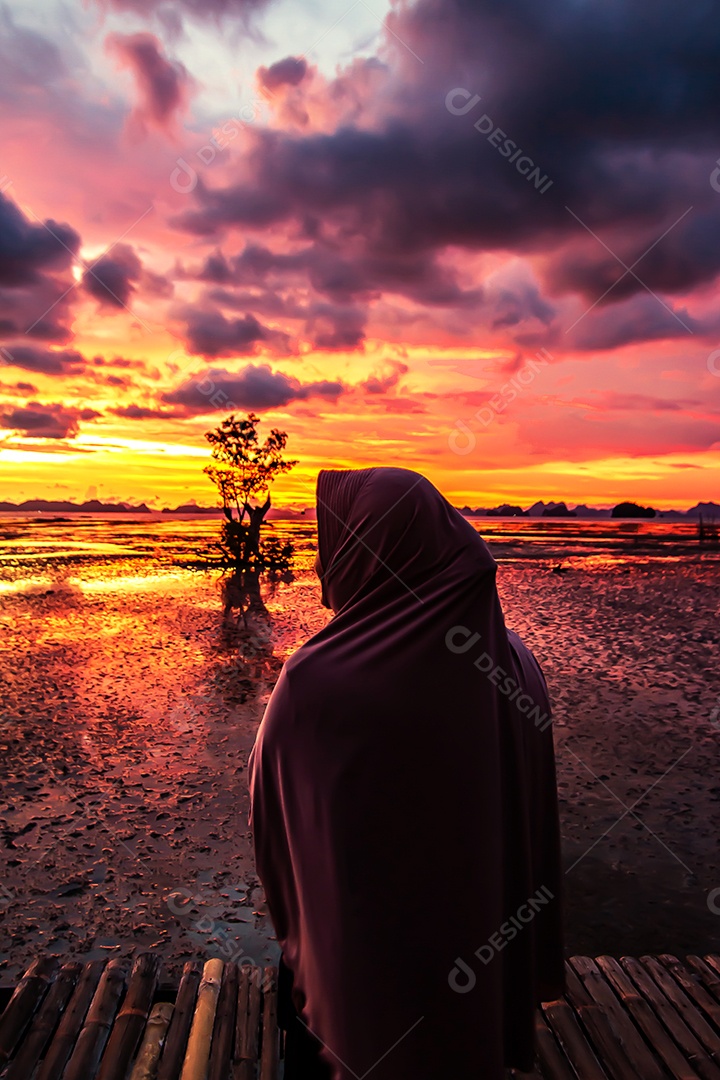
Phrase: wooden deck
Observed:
(633, 1019)
(651, 1018)
(99, 1019)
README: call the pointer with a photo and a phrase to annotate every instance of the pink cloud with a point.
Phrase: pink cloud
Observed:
(164, 86)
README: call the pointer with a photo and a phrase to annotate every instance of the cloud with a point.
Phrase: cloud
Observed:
(41, 311)
(616, 400)
(255, 387)
(386, 378)
(54, 421)
(44, 361)
(27, 59)
(342, 273)
(112, 278)
(385, 194)
(141, 412)
(18, 389)
(687, 256)
(335, 326)
(635, 319)
(28, 250)
(199, 9)
(210, 333)
(288, 72)
(164, 86)
(35, 260)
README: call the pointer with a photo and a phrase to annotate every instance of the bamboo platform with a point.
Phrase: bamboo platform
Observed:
(102, 1020)
(651, 1018)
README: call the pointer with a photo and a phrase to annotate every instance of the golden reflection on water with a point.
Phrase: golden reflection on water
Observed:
(26, 585)
(158, 583)
(162, 541)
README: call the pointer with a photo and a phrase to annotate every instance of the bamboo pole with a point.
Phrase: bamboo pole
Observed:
(151, 1047)
(57, 997)
(130, 1023)
(64, 1038)
(197, 1054)
(21, 1006)
(177, 1036)
(224, 1031)
(246, 1031)
(91, 1040)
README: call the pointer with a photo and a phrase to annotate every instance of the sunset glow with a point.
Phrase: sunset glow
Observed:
(315, 214)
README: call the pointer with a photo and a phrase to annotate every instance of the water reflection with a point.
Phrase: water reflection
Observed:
(147, 547)
(241, 593)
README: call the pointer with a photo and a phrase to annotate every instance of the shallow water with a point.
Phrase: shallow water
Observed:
(40, 539)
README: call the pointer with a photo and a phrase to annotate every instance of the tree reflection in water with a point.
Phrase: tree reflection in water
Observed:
(246, 625)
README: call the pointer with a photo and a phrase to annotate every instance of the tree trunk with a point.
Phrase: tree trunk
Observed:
(257, 516)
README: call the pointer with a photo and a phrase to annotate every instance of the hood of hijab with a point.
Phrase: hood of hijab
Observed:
(384, 530)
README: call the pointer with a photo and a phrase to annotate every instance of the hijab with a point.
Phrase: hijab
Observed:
(403, 799)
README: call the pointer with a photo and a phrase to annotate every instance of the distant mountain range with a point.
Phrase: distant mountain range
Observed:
(621, 510)
(59, 506)
(537, 510)
(95, 506)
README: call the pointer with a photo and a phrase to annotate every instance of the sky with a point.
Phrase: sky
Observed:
(476, 239)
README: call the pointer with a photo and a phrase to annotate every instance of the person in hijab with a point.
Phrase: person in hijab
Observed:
(403, 801)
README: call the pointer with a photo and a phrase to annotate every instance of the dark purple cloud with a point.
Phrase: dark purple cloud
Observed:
(29, 249)
(41, 311)
(326, 325)
(635, 319)
(688, 256)
(44, 361)
(141, 412)
(342, 275)
(617, 106)
(45, 421)
(121, 362)
(35, 258)
(255, 387)
(112, 279)
(288, 72)
(335, 326)
(210, 333)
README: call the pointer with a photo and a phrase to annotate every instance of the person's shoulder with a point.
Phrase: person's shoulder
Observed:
(304, 662)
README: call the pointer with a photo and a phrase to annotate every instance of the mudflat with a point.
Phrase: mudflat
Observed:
(131, 689)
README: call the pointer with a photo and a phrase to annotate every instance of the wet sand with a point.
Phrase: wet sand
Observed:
(630, 653)
(128, 708)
